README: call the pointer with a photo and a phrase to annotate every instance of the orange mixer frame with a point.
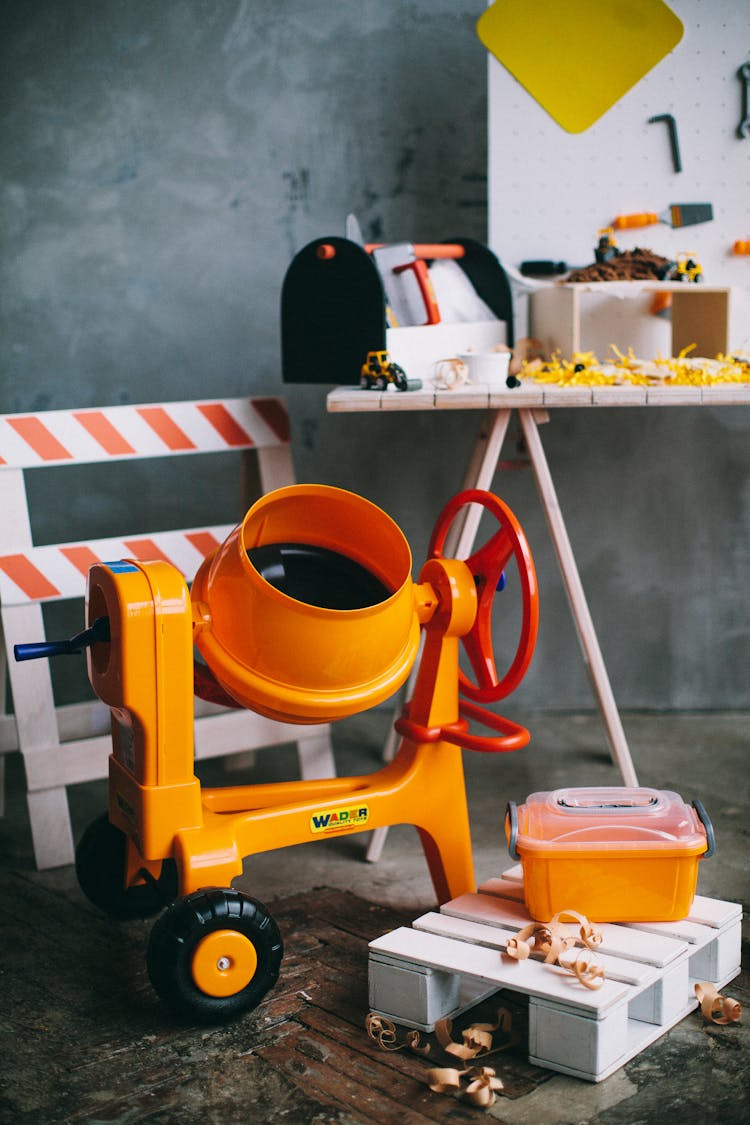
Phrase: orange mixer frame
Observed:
(168, 844)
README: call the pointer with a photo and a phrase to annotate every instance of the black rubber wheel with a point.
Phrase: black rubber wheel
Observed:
(100, 867)
(399, 377)
(214, 955)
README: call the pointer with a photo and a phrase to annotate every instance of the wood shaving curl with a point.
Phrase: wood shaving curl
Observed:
(715, 1007)
(450, 373)
(548, 941)
(480, 1091)
(589, 974)
(475, 1084)
(383, 1032)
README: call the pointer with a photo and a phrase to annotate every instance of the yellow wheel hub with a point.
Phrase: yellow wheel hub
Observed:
(224, 962)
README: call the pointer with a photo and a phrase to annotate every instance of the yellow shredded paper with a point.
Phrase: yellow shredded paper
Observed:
(617, 369)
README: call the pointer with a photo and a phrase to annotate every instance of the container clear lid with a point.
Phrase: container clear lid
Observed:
(622, 815)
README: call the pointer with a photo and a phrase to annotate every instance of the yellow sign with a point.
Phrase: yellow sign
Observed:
(578, 57)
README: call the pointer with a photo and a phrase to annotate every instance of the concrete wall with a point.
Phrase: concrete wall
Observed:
(161, 164)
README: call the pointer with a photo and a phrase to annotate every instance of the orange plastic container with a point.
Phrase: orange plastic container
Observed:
(613, 854)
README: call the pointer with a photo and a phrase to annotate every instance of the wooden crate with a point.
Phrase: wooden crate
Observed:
(581, 317)
(449, 960)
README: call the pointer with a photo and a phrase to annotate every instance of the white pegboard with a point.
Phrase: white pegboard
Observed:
(550, 191)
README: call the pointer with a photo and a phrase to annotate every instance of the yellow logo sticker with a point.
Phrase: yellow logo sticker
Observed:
(339, 820)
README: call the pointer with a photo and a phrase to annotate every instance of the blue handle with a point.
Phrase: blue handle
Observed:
(706, 822)
(512, 816)
(37, 650)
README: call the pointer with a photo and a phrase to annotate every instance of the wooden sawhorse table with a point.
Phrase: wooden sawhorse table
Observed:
(532, 402)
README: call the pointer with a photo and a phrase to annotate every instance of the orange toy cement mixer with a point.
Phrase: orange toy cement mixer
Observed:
(307, 613)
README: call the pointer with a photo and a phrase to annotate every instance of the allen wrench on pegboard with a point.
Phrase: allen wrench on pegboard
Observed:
(743, 129)
(673, 142)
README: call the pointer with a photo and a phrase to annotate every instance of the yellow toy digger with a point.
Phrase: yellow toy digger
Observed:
(379, 373)
(307, 613)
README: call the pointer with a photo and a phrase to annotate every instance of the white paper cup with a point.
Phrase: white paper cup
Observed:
(489, 368)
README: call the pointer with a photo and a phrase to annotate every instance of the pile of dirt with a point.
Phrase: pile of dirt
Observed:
(626, 265)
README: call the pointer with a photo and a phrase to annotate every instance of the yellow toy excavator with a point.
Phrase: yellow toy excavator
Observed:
(379, 372)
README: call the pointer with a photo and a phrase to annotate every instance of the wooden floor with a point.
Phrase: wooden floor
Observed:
(84, 1038)
(76, 995)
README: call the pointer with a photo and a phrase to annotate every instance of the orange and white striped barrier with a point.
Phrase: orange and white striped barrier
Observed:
(42, 574)
(150, 430)
(67, 437)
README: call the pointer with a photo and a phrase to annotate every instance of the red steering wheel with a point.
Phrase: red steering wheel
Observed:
(487, 565)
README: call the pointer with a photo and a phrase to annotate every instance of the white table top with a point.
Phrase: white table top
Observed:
(351, 400)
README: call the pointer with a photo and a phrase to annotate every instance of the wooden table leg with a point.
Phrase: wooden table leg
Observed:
(460, 540)
(479, 474)
(586, 634)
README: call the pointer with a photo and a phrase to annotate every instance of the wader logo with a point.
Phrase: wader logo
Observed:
(338, 820)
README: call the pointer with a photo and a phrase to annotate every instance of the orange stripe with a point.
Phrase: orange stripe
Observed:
(82, 558)
(165, 428)
(102, 431)
(274, 415)
(225, 425)
(40, 439)
(27, 577)
(203, 541)
(146, 549)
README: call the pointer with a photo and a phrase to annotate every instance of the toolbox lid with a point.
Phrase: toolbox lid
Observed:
(610, 818)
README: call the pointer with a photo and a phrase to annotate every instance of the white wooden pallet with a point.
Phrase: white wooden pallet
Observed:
(450, 960)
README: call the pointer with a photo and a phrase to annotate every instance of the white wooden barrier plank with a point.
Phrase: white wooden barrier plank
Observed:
(528, 977)
(38, 574)
(148, 430)
(78, 750)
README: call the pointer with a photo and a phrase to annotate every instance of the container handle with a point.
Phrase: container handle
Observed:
(706, 822)
(511, 815)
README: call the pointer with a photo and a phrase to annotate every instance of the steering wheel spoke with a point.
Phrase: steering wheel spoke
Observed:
(493, 556)
(482, 661)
